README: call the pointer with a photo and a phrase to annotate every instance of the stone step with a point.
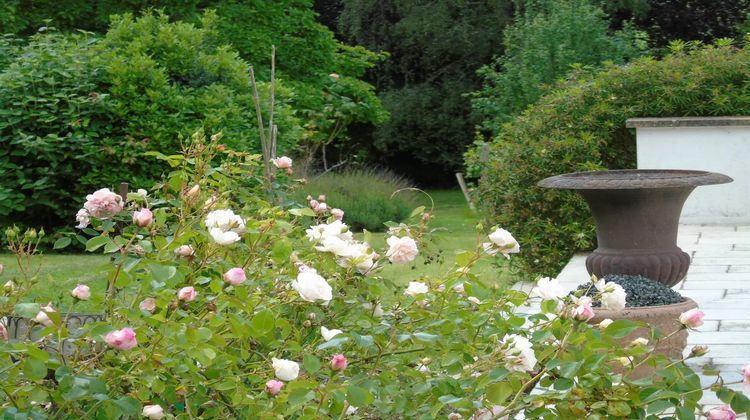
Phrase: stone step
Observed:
(719, 337)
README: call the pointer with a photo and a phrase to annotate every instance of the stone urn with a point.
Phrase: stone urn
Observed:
(664, 318)
(637, 212)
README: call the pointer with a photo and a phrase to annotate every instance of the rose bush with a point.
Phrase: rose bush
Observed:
(231, 302)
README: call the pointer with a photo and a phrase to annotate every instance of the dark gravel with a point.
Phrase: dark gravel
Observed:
(639, 290)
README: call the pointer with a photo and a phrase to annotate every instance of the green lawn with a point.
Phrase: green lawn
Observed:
(455, 231)
(452, 217)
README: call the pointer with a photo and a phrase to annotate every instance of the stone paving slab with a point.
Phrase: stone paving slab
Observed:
(719, 281)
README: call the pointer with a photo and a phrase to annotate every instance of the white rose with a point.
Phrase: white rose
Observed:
(474, 300)
(223, 237)
(518, 353)
(547, 288)
(401, 250)
(83, 218)
(329, 334)
(143, 193)
(336, 246)
(605, 323)
(311, 287)
(336, 228)
(502, 242)
(416, 288)
(154, 412)
(612, 295)
(286, 370)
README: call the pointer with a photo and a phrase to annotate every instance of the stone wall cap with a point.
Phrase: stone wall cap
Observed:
(687, 122)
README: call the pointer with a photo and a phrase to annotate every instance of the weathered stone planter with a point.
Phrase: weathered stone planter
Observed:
(663, 318)
(637, 214)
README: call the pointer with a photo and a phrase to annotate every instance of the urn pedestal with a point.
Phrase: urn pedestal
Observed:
(637, 212)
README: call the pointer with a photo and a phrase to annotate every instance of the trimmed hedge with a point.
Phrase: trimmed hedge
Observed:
(580, 126)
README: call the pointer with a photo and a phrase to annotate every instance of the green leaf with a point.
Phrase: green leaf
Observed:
(304, 211)
(281, 250)
(464, 258)
(262, 322)
(621, 328)
(162, 273)
(62, 242)
(429, 338)
(334, 342)
(129, 406)
(27, 310)
(685, 413)
(300, 396)
(498, 392)
(311, 363)
(34, 369)
(416, 211)
(95, 243)
(358, 397)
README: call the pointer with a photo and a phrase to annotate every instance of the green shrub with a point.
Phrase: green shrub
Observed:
(366, 196)
(580, 126)
(78, 112)
(546, 38)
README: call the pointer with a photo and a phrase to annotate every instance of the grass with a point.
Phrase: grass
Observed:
(455, 231)
(59, 274)
(452, 218)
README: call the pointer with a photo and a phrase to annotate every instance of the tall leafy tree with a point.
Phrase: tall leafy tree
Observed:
(545, 40)
(435, 47)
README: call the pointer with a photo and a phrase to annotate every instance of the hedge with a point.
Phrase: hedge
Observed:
(580, 126)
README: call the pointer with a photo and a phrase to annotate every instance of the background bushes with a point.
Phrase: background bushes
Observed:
(366, 196)
(78, 112)
(580, 126)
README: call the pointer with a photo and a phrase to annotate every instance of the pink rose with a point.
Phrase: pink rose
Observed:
(185, 251)
(282, 162)
(692, 318)
(143, 218)
(103, 204)
(235, 276)
(148, 304)
(81, 292)
(746, 378)
(322, 197)
(401, 250)
(187, 294)
(338, 214)
(722, 413)
(42, 317)
(3, 332)
(321, 208)
(339, 362)
(273, 386)
(583, 312)
(123, 339)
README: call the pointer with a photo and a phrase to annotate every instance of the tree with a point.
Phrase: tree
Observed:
(435, 47)
(546, 39)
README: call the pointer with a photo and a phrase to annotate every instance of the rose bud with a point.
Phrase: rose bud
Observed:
(338, 214)
(81, 292)
(3, 332)
(143, 218)
(722, 413)
(235, 276)
(273, 386)
(148, 304)
(339, 362)
(123, 339)
(42, 317)
(153, 412)
(322, 197)
(698, 351)
(692, 318)
(187, 294)
(184, 251)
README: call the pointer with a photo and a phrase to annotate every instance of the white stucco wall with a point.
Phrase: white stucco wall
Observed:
(723, 149)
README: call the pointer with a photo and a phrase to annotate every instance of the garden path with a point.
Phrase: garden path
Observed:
(719, 281)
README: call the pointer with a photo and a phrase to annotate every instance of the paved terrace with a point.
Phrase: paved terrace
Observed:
(719, 281)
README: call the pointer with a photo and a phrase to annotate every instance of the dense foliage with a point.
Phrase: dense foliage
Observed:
(580, 126)
(687, 20)
(78, 111)
(542, 44)
(367, 196)
(210, 313)
(435, 47)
